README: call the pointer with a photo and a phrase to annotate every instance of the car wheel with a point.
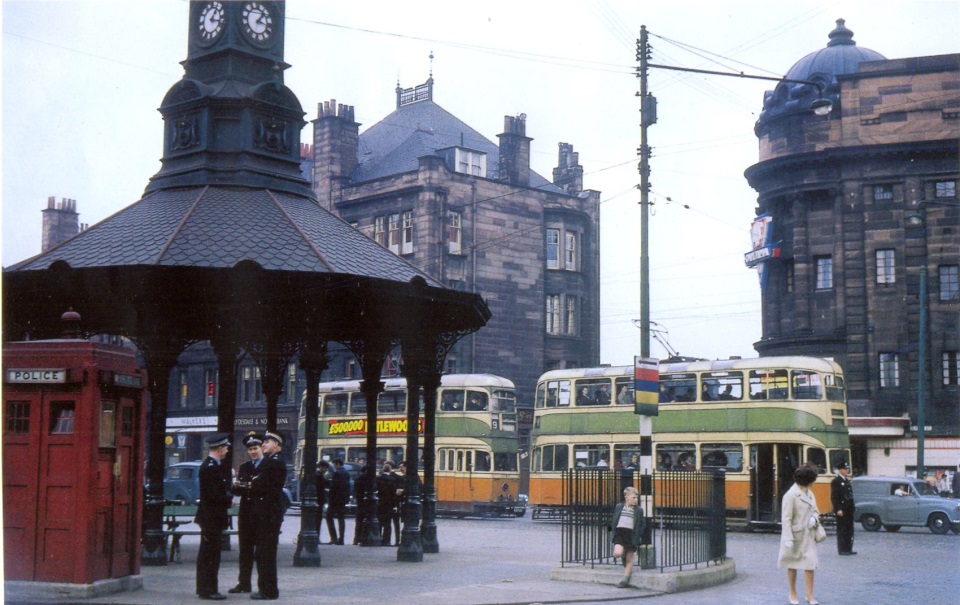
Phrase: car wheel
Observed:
(939, 523)
(870, 522)
(891, 528)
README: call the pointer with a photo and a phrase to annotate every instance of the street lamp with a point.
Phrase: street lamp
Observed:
(648, 116)
(919, 220)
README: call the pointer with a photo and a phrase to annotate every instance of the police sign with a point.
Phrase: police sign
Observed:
(40, 376)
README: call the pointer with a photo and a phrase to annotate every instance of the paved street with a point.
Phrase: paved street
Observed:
(509, 561)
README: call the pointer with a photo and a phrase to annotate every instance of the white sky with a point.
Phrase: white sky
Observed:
(82, 81)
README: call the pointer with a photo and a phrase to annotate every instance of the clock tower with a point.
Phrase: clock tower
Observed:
(231, 120)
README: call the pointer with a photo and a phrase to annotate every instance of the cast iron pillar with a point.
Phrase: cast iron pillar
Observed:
(411, 545)
(371, 387)
(313, 360)
(160, 356)
(429, 527)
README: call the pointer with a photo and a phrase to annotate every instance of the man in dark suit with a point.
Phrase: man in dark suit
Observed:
(266, 493)
(337, 501)
(387, 486)
(246, 519)
(841, 497)
(212, 516)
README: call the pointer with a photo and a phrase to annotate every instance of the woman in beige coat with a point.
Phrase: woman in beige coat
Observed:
(798, 546)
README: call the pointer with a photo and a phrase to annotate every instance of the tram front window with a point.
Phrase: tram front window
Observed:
(838, 456)
(817, 457)
(482, 462)
(806, 385)
(504, 401)
(503, 461)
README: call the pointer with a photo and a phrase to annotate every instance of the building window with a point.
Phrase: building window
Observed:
(882, 193)
(886, 268)
(824, 272)
(889, 370)
(250, 376)
(454, 232)
(572, 314)
(553, 248)
(949, 361)
(183, 388)
(291, 382)
(393, 234)
(210, 378)
(788, 277)
(946, 189)
(407, 235)
(18, 417)
(553, 314)
(949, 282)
(451, 365)
(471, 162)
(380, 230)
(570, 250)
(351, 370)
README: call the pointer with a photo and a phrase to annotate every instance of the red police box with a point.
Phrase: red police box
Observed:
(73, 447)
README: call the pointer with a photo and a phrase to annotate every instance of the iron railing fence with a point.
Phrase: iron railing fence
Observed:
(687, 523)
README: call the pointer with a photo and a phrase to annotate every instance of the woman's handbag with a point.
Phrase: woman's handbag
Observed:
(820, 534)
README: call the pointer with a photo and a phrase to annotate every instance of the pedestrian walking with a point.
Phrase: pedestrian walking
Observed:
(266, 490)
(246, 519)
(841, 497)
(215, 499)
(799, 518)
(362, 488)
(337, 501)
(627, 524)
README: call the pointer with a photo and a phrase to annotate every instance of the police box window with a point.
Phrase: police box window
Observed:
(18, 417)
(61, 418)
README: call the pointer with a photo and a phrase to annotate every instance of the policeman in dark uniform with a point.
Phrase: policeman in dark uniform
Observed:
(841, 497)
(266, 494)
(215, 499)
(246, 520)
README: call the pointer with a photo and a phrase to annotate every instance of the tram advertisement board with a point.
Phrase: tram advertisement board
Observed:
(358, 426)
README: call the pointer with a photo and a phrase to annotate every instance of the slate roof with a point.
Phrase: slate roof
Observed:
(219, 227)
(392, 145)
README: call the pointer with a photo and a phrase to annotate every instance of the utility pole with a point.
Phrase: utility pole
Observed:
(648, 117)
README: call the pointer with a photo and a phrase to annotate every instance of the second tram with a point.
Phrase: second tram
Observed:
(757, 419)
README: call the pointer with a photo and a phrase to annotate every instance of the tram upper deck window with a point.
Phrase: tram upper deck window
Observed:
(769, 384)
(624, 391)
(676, 457)
(335, 404)
(556, 393)
(678, 387)
(504, 401)
(807, 385)
(834, 387)
(726, 456)
(392, 402)
(358, 404)
(593, 391)
(477, 401)
(721, 386)
(451, 401)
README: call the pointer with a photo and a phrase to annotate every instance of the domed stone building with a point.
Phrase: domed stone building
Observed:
(859, 201)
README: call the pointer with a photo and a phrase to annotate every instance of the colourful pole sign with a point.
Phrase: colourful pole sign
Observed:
(646, 386)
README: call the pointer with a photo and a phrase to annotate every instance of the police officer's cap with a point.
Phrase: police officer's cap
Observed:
(252, 439)
(218, 440)
(275, 436)
(843, 466)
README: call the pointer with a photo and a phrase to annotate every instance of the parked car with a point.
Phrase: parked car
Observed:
(894, 502)
(181, 484)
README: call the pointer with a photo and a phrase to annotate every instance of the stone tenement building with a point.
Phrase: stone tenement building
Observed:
(473, 215)
(846, 193)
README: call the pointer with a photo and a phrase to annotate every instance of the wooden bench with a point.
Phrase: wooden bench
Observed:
(183, 514)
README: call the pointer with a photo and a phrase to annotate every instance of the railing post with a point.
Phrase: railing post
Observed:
(718, 527)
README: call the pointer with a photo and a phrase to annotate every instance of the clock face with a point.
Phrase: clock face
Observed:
(257, 21)
(211, 21)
